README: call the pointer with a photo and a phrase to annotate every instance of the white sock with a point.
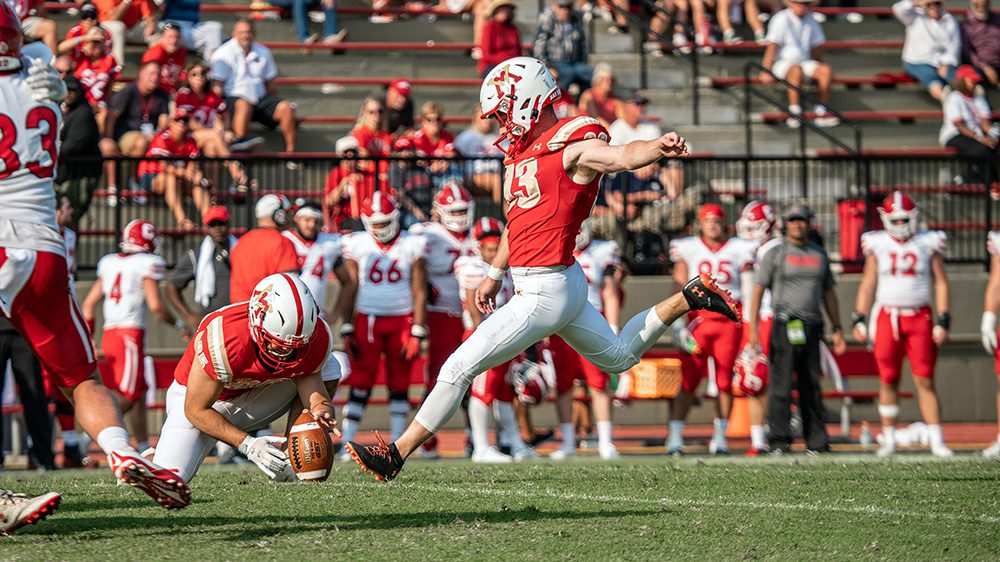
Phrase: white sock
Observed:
(795, 108)
(349, 429)
(114, 438)
(720, 429)
(568, 437)
(757, 436)
(142, 446)
(479, 421)
(504, 411)
(440, 405)
(604, 433)
(398, 411)
(820, 109)
(676, 439)
(934, 433)
(889, 436)
(642, 331)
(69, 439)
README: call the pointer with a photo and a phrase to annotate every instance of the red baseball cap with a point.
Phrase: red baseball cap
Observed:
(216, 213)
(969, 73)
(711, 211)
(401, 85)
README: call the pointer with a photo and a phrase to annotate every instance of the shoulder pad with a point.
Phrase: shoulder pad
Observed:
(577, 129)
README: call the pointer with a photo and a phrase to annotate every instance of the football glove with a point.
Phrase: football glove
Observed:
(45, 83)
(411, 347)
(265, 454)
(350, 340)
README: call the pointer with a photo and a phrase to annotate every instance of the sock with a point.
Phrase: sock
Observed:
(795, 108)
(354, 411)
(142, 446)
(720, 429)
(676, 439)
(820, 109)
(349, 429)
(642, 331)
(399, 409)
(934, 432)
(440, 405)
(568, 436)
(479, 420)
(604, 434)
(504, 411)
(114, 438)
(889, 436)
(69, 437)
(757, 436)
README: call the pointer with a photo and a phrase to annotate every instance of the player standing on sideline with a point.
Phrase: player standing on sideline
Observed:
(709, 335)
(34, 292)
(598, 259)
(988, 326)
(388, 268)
(447, 240)
(128, 282)
(244, 369)
(903, 263)
(553, 170)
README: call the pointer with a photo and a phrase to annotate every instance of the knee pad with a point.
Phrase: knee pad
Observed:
(357, 402)
(888, 411)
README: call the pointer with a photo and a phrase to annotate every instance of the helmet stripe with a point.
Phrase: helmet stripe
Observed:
(298, 304)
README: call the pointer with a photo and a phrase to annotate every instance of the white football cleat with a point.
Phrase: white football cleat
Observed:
(886, 450)
(490, 455)
(562, 454)
(942, 451)
(527, 453)
(718, 447)
(608, 453)
(164, 486)
(18, 510)
(993, 450)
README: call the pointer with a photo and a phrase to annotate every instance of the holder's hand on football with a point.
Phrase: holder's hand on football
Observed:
(264, 453)
(326, 418)
(672, 145)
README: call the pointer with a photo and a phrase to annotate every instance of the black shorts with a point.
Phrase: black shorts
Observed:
(263, 112)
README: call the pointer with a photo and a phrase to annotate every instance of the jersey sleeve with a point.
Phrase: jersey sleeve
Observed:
(102, 267)
(869, 242)
(469, 274)
(676, 250)
(937, 241)
(211, 351)
(748, 255)
(419, 247)
(610, 256)
(577, 129)
(993, 243)
(155, 268)
(349, 247)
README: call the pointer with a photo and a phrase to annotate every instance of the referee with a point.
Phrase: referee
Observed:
(797, 272)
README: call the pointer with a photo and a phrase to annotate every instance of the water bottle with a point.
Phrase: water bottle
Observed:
(865, 439)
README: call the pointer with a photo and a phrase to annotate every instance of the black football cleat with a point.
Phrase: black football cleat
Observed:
(383, 461)
(703, 293)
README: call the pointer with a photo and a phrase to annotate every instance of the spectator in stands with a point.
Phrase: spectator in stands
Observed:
(633, 126)
(370, 131)
(299, 13)
(562, 42)
(263, 251)
(203, 36)
(243, 72)
(434, 140)
(127, 21)
(981, 40)
(600, 101)
(793, 53)
(208, 266)
(967, 124)
(75, 37)
(137, 111)
(34, 24)
(397, 102)
(79, 138)
(97, 71)
(31, 389)
(478, 141)
(175, 179)
(347, 186)
(65, 66)
(500, 38)
(171, 56)
(565, 106)
(411, 183)
(932, 45)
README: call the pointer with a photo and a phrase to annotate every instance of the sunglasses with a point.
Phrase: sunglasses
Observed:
(432, 118)
(181, 120)
(374, 111)
(217, 224)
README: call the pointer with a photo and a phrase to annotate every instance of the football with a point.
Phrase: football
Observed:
(309, 449)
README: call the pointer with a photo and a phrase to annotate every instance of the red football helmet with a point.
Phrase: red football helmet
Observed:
(899, 215)
(455, 207)
(139, 236)
(11, 39)
(756, 222)
(380, 215)
(711, 211)
(751, 373)
(529, 383)
(487, 227)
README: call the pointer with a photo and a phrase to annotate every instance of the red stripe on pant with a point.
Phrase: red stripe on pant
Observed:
(380, 340)
(915, 342)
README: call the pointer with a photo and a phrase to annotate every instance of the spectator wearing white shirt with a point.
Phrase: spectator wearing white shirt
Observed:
(933, 43)
(478, 141)
(967, 123)
(243, 73)
(633, 126)
(793, 54)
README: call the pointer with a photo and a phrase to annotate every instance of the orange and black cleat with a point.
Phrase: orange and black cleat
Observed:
(703, 293)
(382, 460)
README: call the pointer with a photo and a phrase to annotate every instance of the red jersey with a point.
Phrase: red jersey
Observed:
(204, 107)
(97, 76)
(545, 208)
(77, 52)
(443, 146)
(171, 66)
(261, 252)
(377, 143)
(22, 8)
(352, 195)
(228, 354)
(163, 144)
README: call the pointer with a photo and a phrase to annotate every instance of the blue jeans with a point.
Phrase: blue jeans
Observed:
(570, 72)
(299, 9)
(927, 74)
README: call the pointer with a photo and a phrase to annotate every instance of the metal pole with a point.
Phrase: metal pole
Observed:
(695, 93)
(747, 106)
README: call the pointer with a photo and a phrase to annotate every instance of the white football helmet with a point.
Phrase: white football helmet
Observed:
(756, 222)
(283, 316)
(380, 215)
(515, 92)
(585, 236)
(139, 236)
(453, 198)
(900, 215)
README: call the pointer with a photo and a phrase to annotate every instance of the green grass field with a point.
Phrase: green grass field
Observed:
(835, 507)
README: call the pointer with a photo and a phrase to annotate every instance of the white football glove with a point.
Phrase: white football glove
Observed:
(265, 454)
(287, 474)
(45, 83)
(988, 332)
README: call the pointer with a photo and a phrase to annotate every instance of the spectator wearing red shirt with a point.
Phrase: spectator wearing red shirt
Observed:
(373, 137)
(600, 101)
(174, 179)
(73, 44)
(433, 140)
(500, 38)
(347, 186)
(96, 72)
(126, 20)
(171, 56)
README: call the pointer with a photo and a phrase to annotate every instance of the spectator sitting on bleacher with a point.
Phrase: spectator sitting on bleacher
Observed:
(171, 56)
(793, 53)
(633, 126)
(97, 70)
(203, 36)
(347, 186)
(34, 25)
(127, 21)
(932, 45)
(299, 13)
(981, 40)
(433, 140)
(370, 131)
(398, 104)
(75, 37)
(600, 101)
(500, 38)
(243, 72)
(173, 179)
(565, 106)
(561, 41)
(967, 123)
(411, 183)
(79, 138)
(478, 142)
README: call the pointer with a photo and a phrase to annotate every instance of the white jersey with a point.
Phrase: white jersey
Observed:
(443, 250)
(317, 259)
(904, 266)
(470, 271)
(595, 260)
(29, 144)
(993, 242)
(765, 303)
(69, 240)
(122, 277)
(725, 263)
(385, 273)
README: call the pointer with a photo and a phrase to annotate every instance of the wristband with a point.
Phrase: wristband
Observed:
(346, 329)
(943, 319)
(857, 318)
(418, 331)
(496, 274)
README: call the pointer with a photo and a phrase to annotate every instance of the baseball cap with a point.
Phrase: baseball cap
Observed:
(565, 3)
(636, 97)
(711, 211)
(347, 143)
(401, 85)
(88, 11)
(797, 211)
(214, 214)
(969, 73)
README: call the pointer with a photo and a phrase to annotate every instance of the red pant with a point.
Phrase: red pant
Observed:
(125, 351)
(493, 384)
(570, 366)
(719, 339)
(444, 333)
(763, 334)
(913, 339)
(46, 315)
(378, 336)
